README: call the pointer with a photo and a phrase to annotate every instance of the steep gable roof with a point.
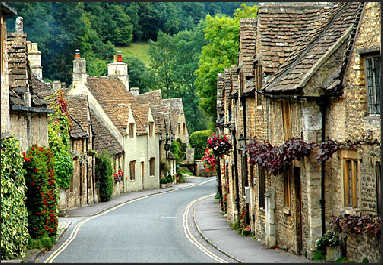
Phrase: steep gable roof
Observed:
(103, 140)
(152, 97)
(116, 101)
(296, 72)
(78, 111)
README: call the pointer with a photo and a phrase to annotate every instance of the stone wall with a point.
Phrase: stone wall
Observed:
(5, 118)
(360, 247)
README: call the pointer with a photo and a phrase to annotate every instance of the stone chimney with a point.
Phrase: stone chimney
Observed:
(56, 85)
(135, 91)
(79, 75)
(34, 59)
(119, 69)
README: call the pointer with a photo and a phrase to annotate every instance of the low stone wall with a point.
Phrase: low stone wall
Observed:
(360, 247)
(200, 170)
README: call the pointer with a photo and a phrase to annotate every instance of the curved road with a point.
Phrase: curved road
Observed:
(146, 230)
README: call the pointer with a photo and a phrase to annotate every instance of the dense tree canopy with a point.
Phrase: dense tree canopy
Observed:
(221, 51)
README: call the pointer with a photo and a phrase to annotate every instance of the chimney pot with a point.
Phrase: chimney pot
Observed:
(77, 54)
(115, 58)
(119, 57)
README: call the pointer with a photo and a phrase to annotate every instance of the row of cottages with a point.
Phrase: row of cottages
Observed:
(309, 71)
(136, 129)
(24, 112)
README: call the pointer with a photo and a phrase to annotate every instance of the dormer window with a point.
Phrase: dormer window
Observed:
(131, 130)
(373, 83)
(151, 129)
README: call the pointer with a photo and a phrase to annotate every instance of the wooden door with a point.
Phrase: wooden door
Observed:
(298, 196)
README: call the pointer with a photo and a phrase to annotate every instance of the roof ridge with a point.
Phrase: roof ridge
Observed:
(299, 56)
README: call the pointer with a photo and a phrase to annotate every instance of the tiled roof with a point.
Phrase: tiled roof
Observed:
(20, 78)
(115, 100)
(140, 114)
(176, 109)
(78, 111)
(286, 28)
(103, 139)
(152, 97)
(296, 72)
(161, 115)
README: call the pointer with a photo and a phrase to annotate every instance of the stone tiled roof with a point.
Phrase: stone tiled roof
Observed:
(20, 78)
(6, 10)
(78, 111)
(176, 109)
(295, 73)
(152, 97)
(286, 28)
(161, 115)
(140, 114)
(103, 139)
(235, 81)
(116, 101)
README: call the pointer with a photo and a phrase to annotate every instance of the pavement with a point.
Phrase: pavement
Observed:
(215, 229)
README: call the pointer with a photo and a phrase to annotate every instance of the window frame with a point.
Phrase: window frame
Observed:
(152, 167)
(373, 108)
(131, 130)
(151, 129)
(132, 177)
(350, 186)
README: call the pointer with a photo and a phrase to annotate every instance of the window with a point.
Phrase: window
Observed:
(142, 169)
(179, 128)
(131, 130)
(287, 189)
(151, 127)
(132, 170)
(184, 128)
(261, 188)
(152, 166)
(373, 84)
(379, 198)
(350, 183)
(286, 120)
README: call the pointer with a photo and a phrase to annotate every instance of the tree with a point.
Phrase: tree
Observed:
(221, 51)
(173, 62)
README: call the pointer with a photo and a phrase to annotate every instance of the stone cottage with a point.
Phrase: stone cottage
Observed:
(309, 71)
(171, 122)
(24, 112)
(130, 123)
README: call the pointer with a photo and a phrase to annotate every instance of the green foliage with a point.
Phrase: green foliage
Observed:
(330, 239)
(173, 60)
(168, 179)
(104, 176)
(178, 149)
(41, 192)
(139, 75)
(198, 141)
(14, 215)
(319, 255)
(59, 141)
(365, 260)
(44, 242)
(221, 51)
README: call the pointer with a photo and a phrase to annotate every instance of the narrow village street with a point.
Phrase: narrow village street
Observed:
(146, 230)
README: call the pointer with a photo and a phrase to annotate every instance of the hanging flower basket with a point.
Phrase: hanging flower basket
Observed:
(118, 176)
(219, 145)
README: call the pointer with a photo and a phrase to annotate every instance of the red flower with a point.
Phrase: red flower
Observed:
(33, 183)
(35, 169)
(41, 149)
(38, 187)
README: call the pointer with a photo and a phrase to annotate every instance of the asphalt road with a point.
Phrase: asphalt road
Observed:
(147, 230)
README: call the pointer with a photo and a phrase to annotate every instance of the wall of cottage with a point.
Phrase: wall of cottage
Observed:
(29, 128)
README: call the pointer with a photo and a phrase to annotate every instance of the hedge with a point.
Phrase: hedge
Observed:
(198, 141)
(14, 215)
(104, 173)
(41, 193)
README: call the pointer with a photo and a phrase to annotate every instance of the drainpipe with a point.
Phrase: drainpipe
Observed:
(323, 103)
(236, 171)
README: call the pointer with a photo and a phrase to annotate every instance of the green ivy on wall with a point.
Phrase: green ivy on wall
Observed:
(14, 215)
(59, 140)
(104, 176)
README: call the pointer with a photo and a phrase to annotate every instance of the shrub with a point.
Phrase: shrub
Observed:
(59, 140)
(14, 215)
(178, 149)
(198, 141)
(41, 192)
(104, 176)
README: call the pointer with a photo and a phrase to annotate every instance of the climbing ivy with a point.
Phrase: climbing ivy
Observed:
(14, 215)
(59, 140)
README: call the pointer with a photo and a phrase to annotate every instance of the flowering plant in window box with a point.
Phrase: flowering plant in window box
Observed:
(219, 145)
(118, 176)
